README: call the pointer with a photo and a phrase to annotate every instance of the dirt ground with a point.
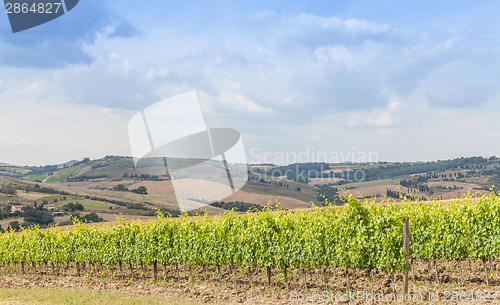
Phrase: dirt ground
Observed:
(165, 188)
(239, 289)
(260, 199)
(322, 181)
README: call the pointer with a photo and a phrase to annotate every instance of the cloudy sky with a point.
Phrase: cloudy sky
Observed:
(406, 80)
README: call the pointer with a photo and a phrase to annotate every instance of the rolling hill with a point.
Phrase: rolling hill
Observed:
(108, 186)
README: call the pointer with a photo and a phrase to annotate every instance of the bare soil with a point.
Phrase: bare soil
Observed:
(163, 188)
(322, 181)
(236, 287)
(264, 200)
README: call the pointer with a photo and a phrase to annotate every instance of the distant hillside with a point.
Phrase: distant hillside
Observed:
(295, 185)
(68, 163)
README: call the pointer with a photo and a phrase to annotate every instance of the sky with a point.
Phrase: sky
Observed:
(350, 80)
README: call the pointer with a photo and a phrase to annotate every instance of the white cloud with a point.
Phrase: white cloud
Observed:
(384, 119)
(241, 103)
(291, 78)
(352, 25)
(51, 132)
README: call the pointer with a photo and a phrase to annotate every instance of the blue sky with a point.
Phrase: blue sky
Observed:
(412, 80)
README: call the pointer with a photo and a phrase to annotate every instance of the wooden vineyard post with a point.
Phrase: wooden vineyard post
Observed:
(406, 246)
(436, 271)
(286, 280)
(304, 277)
(348, 283)
(121, 269)
(155, 271)
(325, 279)
(234, 274)
(370, 276)
(460, 269)
(250, 275)
(486, 273)
(132, 270)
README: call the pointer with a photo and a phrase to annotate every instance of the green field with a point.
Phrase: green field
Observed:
(63, 174)
(89, 204)
(306, 194)
(36, 178)
(13, 169)
(58, 197)
(370, 183)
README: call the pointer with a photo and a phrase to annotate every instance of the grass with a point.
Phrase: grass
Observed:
(95, 205)
(63, 174)
(88, 204)
(35, 178)
(370, 183)
(4, 197)
(306, 194)
(73, 296)
(58, 197)
(13, 169)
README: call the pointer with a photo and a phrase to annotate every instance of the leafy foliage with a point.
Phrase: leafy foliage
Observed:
(37, 215)
(329, 194)
(71, 206)
(238, 206)
(362, 235)
(140, 190)
(8, 190)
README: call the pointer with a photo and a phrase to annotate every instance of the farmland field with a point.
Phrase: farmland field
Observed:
(229, 257)
(65, 173)
(75, 294)
(87, 204)
(306, 194)
(449, 244)
(264, 200)
(372, 183)
(68, 288)
(36, 178)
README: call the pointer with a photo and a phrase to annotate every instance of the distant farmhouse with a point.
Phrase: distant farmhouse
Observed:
(16, 208)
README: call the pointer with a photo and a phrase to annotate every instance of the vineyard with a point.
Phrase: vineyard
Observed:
(362, 236)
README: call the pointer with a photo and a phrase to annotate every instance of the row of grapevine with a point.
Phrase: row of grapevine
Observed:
(361, 235)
